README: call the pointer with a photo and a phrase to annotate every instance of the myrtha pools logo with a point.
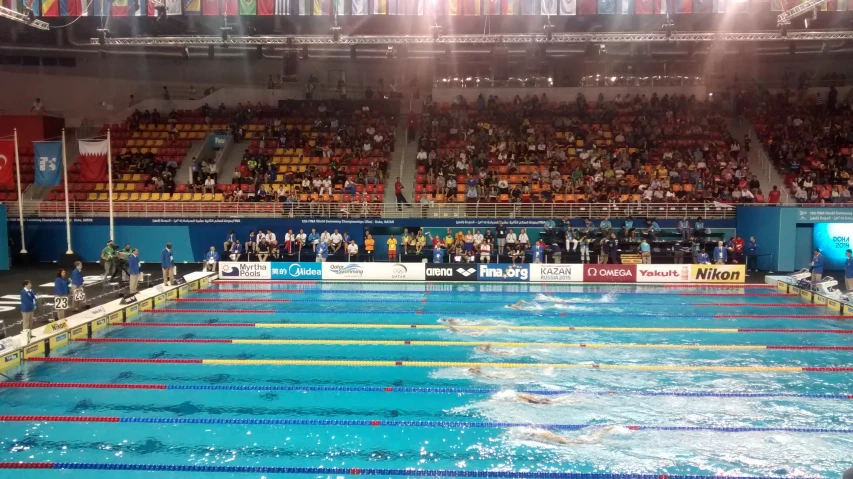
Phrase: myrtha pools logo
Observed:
(243, 270)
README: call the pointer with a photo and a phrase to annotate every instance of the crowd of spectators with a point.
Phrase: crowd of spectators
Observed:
(633, 148)
(809, 138)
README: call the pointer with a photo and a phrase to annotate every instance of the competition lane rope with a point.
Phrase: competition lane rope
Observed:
(341, 471)
(503, 313)
(431, 301)
(475, 327)
(357, 342)
(549, 293)
(393, 423)
(395, 389)
(432, 364)
(650, 285)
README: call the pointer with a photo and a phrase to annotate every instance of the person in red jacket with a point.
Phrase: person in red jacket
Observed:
(738, 244)
(398, 192)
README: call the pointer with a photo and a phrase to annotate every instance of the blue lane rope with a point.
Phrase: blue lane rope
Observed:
(574, 314)
(421, 292)
(441, 424)
(328, 471)
(462, 301)
(493, 391)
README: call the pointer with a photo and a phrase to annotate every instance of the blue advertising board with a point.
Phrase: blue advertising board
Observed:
(297, 271)
(503, 272)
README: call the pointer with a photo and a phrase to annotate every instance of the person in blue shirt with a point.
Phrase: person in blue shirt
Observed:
(848, 270)
(605, 226)
(652, 230)
(236, 251)
(538, 251)
(61, 289)
(589, 224)
(210, 259)
(251, 245)
(817, 266)
(699, 227)
(614, 249)
(322, 251)
(628, 228)
(752, 254)
(314, 238)
(721, 254)
(28, 307)
(230, 238)
(684, 228)
(77, 285)
(438, 254)
(167, 261)
(133, 270)
(549, 225)
(703, 258)
(646, 252)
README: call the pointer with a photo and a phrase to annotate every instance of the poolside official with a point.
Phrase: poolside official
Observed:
(167, 262)
(212, 257)
(133, 270)
(77, 287)
(28, 308)
(721, 254)
(817, 266)
(848, 271)
(61, 290)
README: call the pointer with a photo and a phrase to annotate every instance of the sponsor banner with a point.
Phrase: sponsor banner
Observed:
(183, 290)
(557, 273)
(717, 273)
(610, 273)
(848, 310)
(115, 317)
(835, 306)
(374, 271)
(794, 290)
(172, 294)
(244, 270)
(204, 281)
(194, 285)
(99, 324)
(10, 360)
(663, 273)
(54, 327)
(58, 340)
(79, 332)
(818, 299)
(503, 272)
(806, 294)
(782, 286)
(35, 349)
(146, 304)
(131, 311)
(297, 271)
(448, 272)
(159, 299)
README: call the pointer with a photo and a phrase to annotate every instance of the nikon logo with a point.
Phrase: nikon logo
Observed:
(713, 274)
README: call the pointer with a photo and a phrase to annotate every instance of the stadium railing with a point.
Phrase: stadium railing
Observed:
(174, 209)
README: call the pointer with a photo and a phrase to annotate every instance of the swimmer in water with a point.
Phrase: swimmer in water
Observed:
(450, 320)
(533, 399)
(475, 334)
(518, 305)
(487, 348)
(478, 372)
(548, 437)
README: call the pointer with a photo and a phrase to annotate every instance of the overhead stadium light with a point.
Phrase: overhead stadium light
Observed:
(785, 18)
(25, 18)
(576, 38)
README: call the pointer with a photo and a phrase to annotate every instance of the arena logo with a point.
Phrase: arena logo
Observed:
(244, 270)
(348, 271)
(450, 273)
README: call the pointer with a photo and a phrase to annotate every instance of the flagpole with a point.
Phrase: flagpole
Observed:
(20, 195)
(110, 179)
(67, 212)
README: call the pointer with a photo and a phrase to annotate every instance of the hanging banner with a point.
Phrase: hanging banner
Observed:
(48, 156)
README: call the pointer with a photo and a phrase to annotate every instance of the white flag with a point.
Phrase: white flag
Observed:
(568, 7)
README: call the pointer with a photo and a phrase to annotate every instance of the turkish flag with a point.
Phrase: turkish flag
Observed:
(7, 162)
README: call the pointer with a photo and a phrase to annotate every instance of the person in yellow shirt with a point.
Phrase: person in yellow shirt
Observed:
(448, 240)
(369, 242)
(420, 242)
(392, 248)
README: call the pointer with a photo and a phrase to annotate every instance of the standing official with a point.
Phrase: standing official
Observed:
(817, 266)
(77, 285)
(167, 262)
(61, 289)
(848, 271)
(721, 254)
(133, 270)
(28, 308)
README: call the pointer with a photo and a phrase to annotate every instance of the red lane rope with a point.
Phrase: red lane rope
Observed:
(739, 294)
(82, 385)
(756, 330)
(212, 311)
(249, 290)
(785, 316)
(116, 360)
(262, 300)
(813, 348)
(265, 281)
(764, 305)
(151, 340)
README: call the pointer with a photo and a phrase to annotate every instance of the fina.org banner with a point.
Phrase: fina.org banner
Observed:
(374, 271)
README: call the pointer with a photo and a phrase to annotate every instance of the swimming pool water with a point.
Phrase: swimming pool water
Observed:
(586, 396)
